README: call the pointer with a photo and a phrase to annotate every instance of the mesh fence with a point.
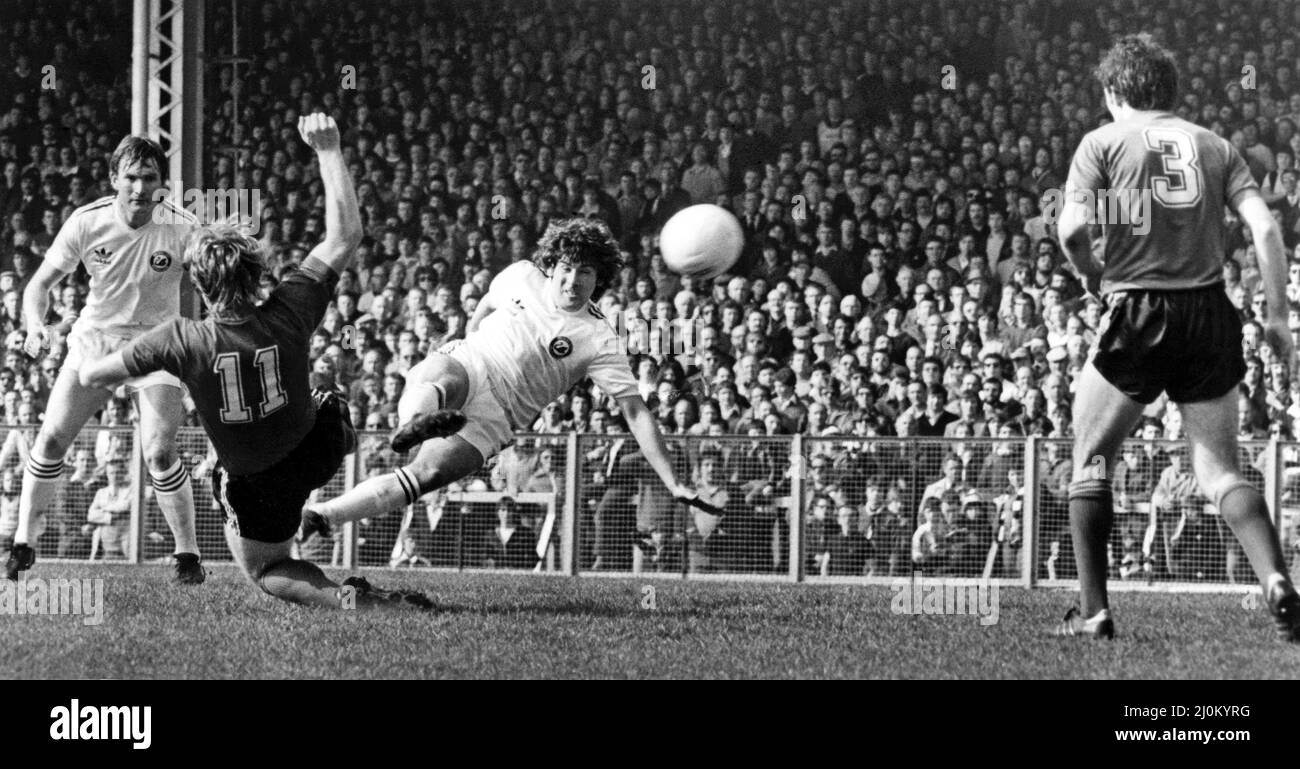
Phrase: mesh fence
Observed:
(629, 522)
(888, 508)
(1165, 529)
(835, 506)
(87, 516)
(506, 516)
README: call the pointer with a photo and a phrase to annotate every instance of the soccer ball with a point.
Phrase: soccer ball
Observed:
(701, 241)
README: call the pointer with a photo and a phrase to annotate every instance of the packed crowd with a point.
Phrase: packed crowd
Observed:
(891, 164)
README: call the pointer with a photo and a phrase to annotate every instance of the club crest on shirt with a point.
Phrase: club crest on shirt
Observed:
(102, 255)
(160, 261)
(560, 347)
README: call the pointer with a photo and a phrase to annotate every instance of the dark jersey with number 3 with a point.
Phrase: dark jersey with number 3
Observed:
(1184, 176)
(248, 378)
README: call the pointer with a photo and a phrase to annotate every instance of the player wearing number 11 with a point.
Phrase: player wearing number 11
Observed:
(1169, 325)
(246, 368)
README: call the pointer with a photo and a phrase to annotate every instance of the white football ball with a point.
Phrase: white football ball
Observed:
(701, 241)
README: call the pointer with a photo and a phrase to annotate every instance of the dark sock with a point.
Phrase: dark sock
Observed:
(300, 582)
(1244, 510)
(1091, 514)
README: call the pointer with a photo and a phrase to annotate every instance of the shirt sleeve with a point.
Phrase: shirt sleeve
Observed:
(304, 295)
(65, 252)
(162, 348)
(1236, 177)
(1087, 169)
(611, 371)
(508, 280)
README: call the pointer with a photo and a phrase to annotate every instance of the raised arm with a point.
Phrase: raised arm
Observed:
(342, 214)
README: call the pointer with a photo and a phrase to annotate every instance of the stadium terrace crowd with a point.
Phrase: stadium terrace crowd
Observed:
(892, 165)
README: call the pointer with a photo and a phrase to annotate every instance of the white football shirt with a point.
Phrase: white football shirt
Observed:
(135, 274)
(533, 351)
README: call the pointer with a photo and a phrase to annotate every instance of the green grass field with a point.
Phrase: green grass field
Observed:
(512, 626)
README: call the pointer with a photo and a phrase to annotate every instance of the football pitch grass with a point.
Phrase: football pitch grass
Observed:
(521, 626)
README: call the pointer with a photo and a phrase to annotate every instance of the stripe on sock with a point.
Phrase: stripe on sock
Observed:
(171, 481)
(44, 469)
(1092, 488)
(409, 487)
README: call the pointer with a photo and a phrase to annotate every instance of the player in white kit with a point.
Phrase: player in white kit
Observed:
(132, 246)
(534, 336)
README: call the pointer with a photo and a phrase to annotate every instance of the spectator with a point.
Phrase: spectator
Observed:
(848, 550)
(109, 515)
(512, 544)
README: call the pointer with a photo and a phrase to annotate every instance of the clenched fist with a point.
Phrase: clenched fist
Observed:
(319, 131)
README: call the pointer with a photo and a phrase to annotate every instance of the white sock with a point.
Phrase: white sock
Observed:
(41, 478)
(372, 498)
(176, 500)
(1273, 580)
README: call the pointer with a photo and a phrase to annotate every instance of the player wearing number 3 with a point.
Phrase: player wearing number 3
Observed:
(246, 368)
(1169, 325)
(131, 245)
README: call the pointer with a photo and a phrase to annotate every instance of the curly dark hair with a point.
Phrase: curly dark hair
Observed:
(581, 242)
(1141, 72)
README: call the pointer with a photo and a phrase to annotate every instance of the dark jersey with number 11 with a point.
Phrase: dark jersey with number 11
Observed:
(248, 378)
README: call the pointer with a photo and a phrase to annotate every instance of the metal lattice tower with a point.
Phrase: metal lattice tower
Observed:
(167, 83)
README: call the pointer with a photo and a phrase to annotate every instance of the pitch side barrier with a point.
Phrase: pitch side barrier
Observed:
(826, 509)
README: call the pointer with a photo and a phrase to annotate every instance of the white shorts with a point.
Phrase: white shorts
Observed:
(486, 427)
(87, 345)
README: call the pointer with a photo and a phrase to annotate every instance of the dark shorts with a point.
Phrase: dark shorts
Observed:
(267, 506)
(1185, 343)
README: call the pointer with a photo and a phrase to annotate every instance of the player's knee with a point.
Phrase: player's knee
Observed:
(258, 575)
(446, 372)
(1220, 487)
(49, 444)
(160, 455)
(430, 477)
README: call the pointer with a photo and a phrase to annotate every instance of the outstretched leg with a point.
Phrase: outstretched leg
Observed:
(1215, 460)
(435, 388)
(270, 567)
(1211, 428)
(440, 462)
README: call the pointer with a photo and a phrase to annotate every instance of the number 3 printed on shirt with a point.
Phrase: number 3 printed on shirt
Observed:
(234, 405)
(1179, 186)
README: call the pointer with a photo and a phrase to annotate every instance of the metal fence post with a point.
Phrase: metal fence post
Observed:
(1273, 481)
(140, 477)
(1029, 515)
(571, 510)
(795, 513)
(351, 470)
